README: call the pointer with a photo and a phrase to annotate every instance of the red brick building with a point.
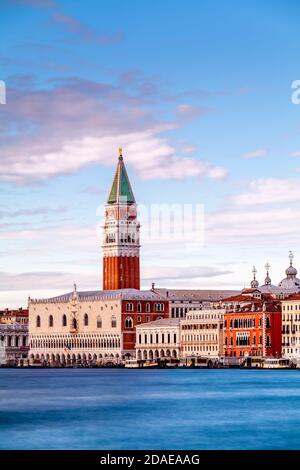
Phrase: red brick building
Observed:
(252, 326)
(134, 312)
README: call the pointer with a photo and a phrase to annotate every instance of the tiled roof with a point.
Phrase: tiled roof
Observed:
(239, 298)
(194, 294)
(14, 313)
(293, 297)
(124, 294)
(121, 189)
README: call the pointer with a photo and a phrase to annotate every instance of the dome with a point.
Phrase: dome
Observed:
(291, 271)
(254, 284)
(291, 282)
(268, 281)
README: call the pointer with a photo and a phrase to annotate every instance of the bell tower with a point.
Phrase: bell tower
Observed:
(121, 248)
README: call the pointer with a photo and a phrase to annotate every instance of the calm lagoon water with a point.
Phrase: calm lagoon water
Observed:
(149, 409)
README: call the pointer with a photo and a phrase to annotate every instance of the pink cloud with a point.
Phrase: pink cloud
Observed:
(84, 32)
(78, 123)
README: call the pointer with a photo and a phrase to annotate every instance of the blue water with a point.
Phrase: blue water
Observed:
(149, 409)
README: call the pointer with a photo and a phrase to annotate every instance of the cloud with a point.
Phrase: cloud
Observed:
(177, 272)
(4, 213)
(295, 154)
(39, 280)
(78, 123)
(86, 33)
(269, 191)
(45, 280)
(258, 153)
(254, 227)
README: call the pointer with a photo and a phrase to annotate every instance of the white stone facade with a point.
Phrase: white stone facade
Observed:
(201, 334)
(13, 343)
(72, 329)
(291, 328)
(158, 340)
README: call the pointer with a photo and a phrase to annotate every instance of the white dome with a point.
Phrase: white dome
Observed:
(291, 271)
(290, 283)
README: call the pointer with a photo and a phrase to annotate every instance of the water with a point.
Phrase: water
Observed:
(149, 409)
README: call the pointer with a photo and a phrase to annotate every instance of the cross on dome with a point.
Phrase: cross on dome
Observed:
(267, 279)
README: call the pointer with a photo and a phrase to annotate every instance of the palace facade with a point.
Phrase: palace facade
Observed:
(90, 327)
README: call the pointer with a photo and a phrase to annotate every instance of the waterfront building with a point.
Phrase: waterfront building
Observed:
(13, 336)
(158, 340)
(90, 327)
(14, 315)
(181, 301)
(291, 327)
(201, 334)
(121, 240)
(252, 327)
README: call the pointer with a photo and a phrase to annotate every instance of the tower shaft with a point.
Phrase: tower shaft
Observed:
(121, 249)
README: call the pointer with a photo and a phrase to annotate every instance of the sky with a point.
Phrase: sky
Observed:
(199, 96)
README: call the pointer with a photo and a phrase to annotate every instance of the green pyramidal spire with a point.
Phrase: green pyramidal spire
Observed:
(121, 189)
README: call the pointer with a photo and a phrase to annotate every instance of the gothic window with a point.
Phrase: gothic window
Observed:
(113, 322)
(64, 320)
(74, 324)
(139, 307)
(50, 320)
(38, 321)
(99, 322)
(129, 323)
(86, 320)
(147, 307)
(267, 322)
(129, 307)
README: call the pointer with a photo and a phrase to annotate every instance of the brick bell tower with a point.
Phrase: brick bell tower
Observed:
(121, 248)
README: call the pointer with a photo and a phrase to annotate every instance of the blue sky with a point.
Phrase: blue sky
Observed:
(197, 93)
